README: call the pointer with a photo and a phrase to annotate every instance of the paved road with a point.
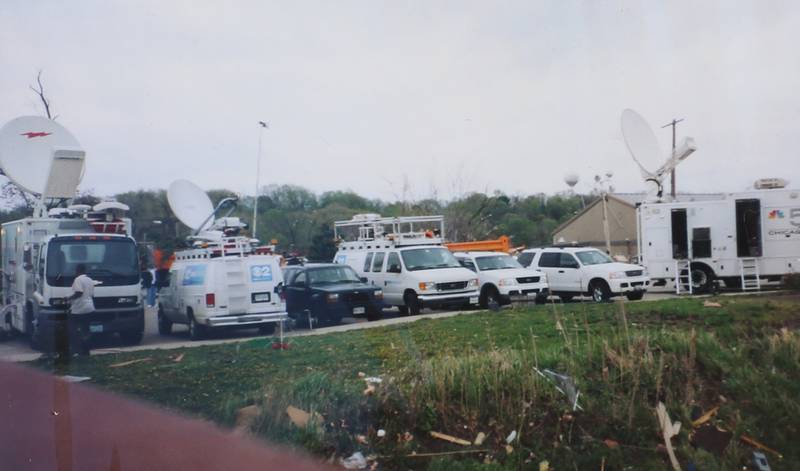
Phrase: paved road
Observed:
(18, 350)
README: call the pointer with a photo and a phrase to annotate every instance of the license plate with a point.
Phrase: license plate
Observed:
(473, 300)
(95, 328)
(359, 310)
(530, 295)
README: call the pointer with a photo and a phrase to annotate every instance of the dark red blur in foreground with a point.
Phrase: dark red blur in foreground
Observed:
(47, 424)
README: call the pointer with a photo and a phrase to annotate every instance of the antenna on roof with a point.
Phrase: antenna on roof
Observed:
(643, 146)
(40, 156)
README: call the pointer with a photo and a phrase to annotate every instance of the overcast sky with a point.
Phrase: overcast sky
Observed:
(456, 96)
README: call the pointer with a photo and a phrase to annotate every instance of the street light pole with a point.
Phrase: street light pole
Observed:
(673, 123)
(262, 127)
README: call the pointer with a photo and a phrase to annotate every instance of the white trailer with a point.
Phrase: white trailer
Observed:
(742, 239)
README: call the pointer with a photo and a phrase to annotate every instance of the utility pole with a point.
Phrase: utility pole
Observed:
(262, 126)
(673, 123)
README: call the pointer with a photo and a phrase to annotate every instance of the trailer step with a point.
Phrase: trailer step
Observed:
(749, 274)
(683, 276)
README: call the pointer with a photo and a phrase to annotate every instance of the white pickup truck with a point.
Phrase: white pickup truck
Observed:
(578, 271)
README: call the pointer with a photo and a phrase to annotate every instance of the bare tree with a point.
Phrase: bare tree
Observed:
(39, 90)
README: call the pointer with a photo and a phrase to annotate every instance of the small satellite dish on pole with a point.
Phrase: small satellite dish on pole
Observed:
(191, 204)
(643, 146)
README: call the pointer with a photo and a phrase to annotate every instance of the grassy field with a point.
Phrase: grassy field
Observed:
(476, 373)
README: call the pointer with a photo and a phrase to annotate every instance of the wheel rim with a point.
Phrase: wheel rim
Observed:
(699, 278)
(597, 294)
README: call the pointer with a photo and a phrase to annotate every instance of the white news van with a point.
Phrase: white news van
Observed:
(741, 239)
(224, 281)
(39, 256)
(405, 257)
(503, 280)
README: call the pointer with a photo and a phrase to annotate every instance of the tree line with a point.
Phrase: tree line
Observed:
(301, 221)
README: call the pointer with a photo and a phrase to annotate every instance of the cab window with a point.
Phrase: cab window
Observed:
(368, 261)
(549, 259)
(377, 262)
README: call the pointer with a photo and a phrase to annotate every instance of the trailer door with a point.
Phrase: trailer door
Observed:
(680, 234)
(748, 228)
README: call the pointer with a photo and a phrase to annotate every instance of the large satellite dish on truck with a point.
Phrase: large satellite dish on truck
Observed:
(643, 146)
(191, 204)
(41, 156)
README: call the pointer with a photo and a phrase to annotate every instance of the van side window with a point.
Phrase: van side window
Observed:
(549, 259)
(467, 263)
(377, 262)
(368, 261)
(393, 263)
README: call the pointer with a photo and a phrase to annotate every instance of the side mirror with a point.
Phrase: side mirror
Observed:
(363, 279)
(394, 268)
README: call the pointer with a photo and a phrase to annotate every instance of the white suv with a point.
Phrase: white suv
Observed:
(577, 271)
(503, 279)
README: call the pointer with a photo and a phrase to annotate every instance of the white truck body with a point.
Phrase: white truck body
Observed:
(224, 285)
(389, 259)
(39, 257)
(508, 283)
(746, 236)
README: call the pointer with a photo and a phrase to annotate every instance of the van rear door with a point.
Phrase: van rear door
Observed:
(263, 274)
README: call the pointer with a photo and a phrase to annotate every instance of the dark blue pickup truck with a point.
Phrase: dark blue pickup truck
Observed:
(327, 292)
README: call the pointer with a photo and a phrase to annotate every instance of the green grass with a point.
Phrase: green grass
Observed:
(475, 373)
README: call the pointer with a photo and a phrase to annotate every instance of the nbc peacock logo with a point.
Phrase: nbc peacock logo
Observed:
(775, 214)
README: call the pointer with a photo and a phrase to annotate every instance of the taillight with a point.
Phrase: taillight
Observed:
(210, 299)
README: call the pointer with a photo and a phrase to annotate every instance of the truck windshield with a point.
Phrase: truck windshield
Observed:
(428, 259)
(593, 257)
(329, 275)
(496, 262)
(111, 261)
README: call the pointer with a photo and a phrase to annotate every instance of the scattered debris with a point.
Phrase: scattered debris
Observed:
(479, 439)
(281, 346)
(407, 437)
(705, 417)
(450, 438)
(246, 417)
(362, 439)
(611, 443)
(511, 436)
(544, 466)
(760, 461)
(509, 449)
(711, 304)
(361, 374)
(75, 379)
(753, 442)
(370, 390)
(711, 438)
(668, 430)
(129, 362)
(301, 418)
(564, 384)
(373, 380)
(179, 358)
(355, 461)
(381, 433)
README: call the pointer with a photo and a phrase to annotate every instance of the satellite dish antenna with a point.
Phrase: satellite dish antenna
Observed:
(571, 179)
(191, 204)
(643, 146)
(40, 156)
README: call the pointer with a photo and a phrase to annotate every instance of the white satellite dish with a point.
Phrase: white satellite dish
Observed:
(191, 204)
(643, 146)
(41, 156)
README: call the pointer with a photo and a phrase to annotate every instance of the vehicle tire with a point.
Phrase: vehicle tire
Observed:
(565, 298)
(197, 331)
(301, 320)
(599, 291)
(635, 295)
(164, 324)
(702, 279)
(403, 310)
(267, 329)
(489, 296)
(412, 303)
(131, 337)
(374, 314)
(541, 299)
(733, 282)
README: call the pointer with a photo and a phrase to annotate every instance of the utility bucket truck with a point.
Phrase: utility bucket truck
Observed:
(40, 253)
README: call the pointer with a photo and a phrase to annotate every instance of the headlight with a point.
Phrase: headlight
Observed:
(617, 274)
(332, 298)
(507, 282)
(58, 302)
(427, 286)
(543, 278)
(473, 283)
(378, 294)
